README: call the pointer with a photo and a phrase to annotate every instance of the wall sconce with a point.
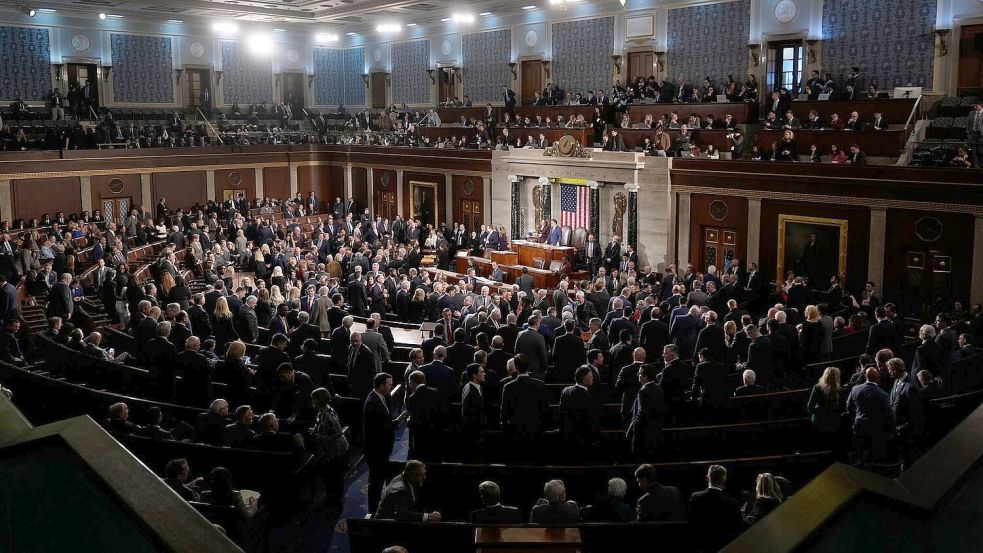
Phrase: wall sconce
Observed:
(310, 80)
(389, 79)
(218, 77)
(546, 68)
(276, 78)
(106, 70)
(753, 51)
(942, 47)
(177, 75)
(812, 49)
(658, 60)
(58, 67)
(512, 66)
(432, 79)
(617, 63)
(456, 72)
(365, 79)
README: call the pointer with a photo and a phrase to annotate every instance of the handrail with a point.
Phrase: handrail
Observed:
(914, 109)
(217, 136)
(95, 116)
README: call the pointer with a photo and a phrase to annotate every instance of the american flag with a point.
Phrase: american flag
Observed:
(574, 206)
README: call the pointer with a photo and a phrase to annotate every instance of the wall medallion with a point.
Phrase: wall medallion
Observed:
(468, 187)
(785, 11)
(293, 55)
(235, 178)
(718, 210)
(115, 185)
(81, 42)
(445, 47)
(197, 49)
(532, 38)
(377, 55)
(928, 229)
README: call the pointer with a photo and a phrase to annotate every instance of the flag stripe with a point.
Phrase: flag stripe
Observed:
(574, 206)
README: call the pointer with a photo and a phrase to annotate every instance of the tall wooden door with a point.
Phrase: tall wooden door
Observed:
(293, 92)
(471, 214)
(115, 209)
(718, 247)
(195, 82)
(970, 75)
(79, 73)
(379, 90)
(532, 81)
(385, 205)
(445, 86)
(640, 64)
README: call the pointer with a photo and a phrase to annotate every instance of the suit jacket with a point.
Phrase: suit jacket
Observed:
(60, 302)
(653, 337)
(906, 403)
(661, 503)
(715, 518)
(580, 416)
(426, 409)
(627, 385)
(377, 345)
(533, 344)
(247, 325)
(759, 359)
(473, 413)
(568, 354)
(441, 377)
(196, 382)
(399, 502)
(496, 514)
(710, 383)
(546, 513)
(361, 368)
(673, 380)
(647, 414)
(712, 338)
(378, 431)
(883, 334)
(523, 401)
(871, 410)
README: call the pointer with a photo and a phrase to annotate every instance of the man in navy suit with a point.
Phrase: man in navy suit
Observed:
(908, 409)
(580, 412)
(378, 434)
(523, 402)
(647, 414)
(883, 334)
(873, 418)
(493, 511)
(714, 516)
(554, 236)
(440, 376)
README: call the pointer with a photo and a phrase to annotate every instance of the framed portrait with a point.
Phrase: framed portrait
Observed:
(813, 247)
(423, 202)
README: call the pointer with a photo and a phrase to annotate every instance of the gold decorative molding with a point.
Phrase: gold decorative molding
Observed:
(135, 171)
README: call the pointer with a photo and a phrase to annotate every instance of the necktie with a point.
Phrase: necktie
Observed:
(352, 355)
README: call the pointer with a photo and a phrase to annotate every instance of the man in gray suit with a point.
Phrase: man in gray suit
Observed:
(525, 283)
(554, 508)
(533, 345)
(376, 343)
(974, 134)
(60, 302)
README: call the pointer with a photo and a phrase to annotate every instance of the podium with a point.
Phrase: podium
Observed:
(498, 539)
(529, 250)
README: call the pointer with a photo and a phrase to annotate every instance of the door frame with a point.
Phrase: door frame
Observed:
(518, 80)
(948, 70)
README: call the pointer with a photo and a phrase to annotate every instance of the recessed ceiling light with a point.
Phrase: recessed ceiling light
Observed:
(445, 19)
(528, 7)
(485, 14)
(279, 30)
(388, 28)
(227, 28)
(46, 10)
(326, 37)
(174, 21)
(463, 18)
(102, 16)
(352, 34)
(411, 24)
(114, 16)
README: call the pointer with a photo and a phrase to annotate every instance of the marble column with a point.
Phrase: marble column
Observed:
(448, 199)
(547, 201)
(210, 184)
(292, 169)
(753, 238)
(6, 201)
(682, 238)
(146, 190)
(976, 290)
(399, 194)
(86, 189)
(486, 201)
(632, 237)
(877, 238)
(370, 190)
(348, 184)
(595, 212)
(260, 186)
(516, 211)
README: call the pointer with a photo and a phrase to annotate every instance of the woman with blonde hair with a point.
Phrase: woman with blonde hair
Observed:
(826, 405)
(767, 496)
(166, 283)
(276, 297)
(234, 372)
(222, 324)
(811, 336)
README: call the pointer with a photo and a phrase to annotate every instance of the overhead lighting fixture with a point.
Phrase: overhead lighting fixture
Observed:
(174, 21)
(260, 44)
(463, 18)
(114, 16)
(411, 24)
(27, 10)
(102, 16)
(485, 14)
(622, 3)
(279, 30)
(528, 7)
(225, 28)
(46, 10)
(351, 33)
(443, 19)
(388, 28)
(326, 37)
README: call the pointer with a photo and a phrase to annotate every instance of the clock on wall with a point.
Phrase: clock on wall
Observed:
(81, 42)
(197, 49)
(377, 55)
(532, 38)
(785, 11)
(293, 56)
(445, 47)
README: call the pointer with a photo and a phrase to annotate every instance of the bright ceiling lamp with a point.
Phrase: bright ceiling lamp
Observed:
(388, 28)
(225, 28)
(463, 18)
(260, 44)
(326, 37)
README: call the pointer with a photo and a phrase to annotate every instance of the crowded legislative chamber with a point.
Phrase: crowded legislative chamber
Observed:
(544, 276)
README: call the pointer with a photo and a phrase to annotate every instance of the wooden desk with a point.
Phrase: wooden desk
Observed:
(527, 539)
(896, 112)
(584, 136)
(541, 278)
(453, 115)
(635, 138)
(743, 112)
(566, 111)
(872, 143)
(528, 250)
(507, 257)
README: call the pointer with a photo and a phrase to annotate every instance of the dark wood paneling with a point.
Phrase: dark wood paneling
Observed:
(247, 182)
(531, 73)
(383, 181)
(743, 112)
(956, 240)
(895, 111)
(360, 189)
(276, 182)
(458, 195)
(33, 197)
(336, 183)
(700, 219)
(970, 72)
(315, 178)
(858, 246)
(182, 189)
(872, 143)
(132, 188)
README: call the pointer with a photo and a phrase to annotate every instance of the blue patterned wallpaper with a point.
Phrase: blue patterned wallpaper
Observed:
(338, 77)
(354, 66)
(892, 41)
(246, 79)
(708, 41)
(26, 67)
(582, 55)
(142, 69)
(485, 64)
(410, 82)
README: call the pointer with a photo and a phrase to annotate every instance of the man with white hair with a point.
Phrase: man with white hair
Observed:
(749, 388)
(928, 356)
(60, 302)
(246, 322)
(210, 425)
(554, 507)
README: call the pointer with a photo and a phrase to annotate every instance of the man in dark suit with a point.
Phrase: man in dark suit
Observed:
(873, 418)
(621, 355)
(658, 503)
(196, 372)
(523, 402)
(60, 302)
(654, 334)
(473, 406)
(460, 354)
(568, 353)
(883, 334)
(532, 343)
(427, 416)
(974, 133)
(592, 254)
(612, 253)
(440, 376)
(361, 366)
(856, 156)
(399, 499)
(508, 96)
(159, 358)
(712, 338)
(201, 324)
(714, 516)
(493, 511)
(303, 332)
(647, 414)
(928, 355)
(525, 282)
(674, 376)
(580, 413)
(378, 433)
(627, 384)
(710, 380)
(908, 409)
(340, 342)
(246, 322)
(759, 356)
